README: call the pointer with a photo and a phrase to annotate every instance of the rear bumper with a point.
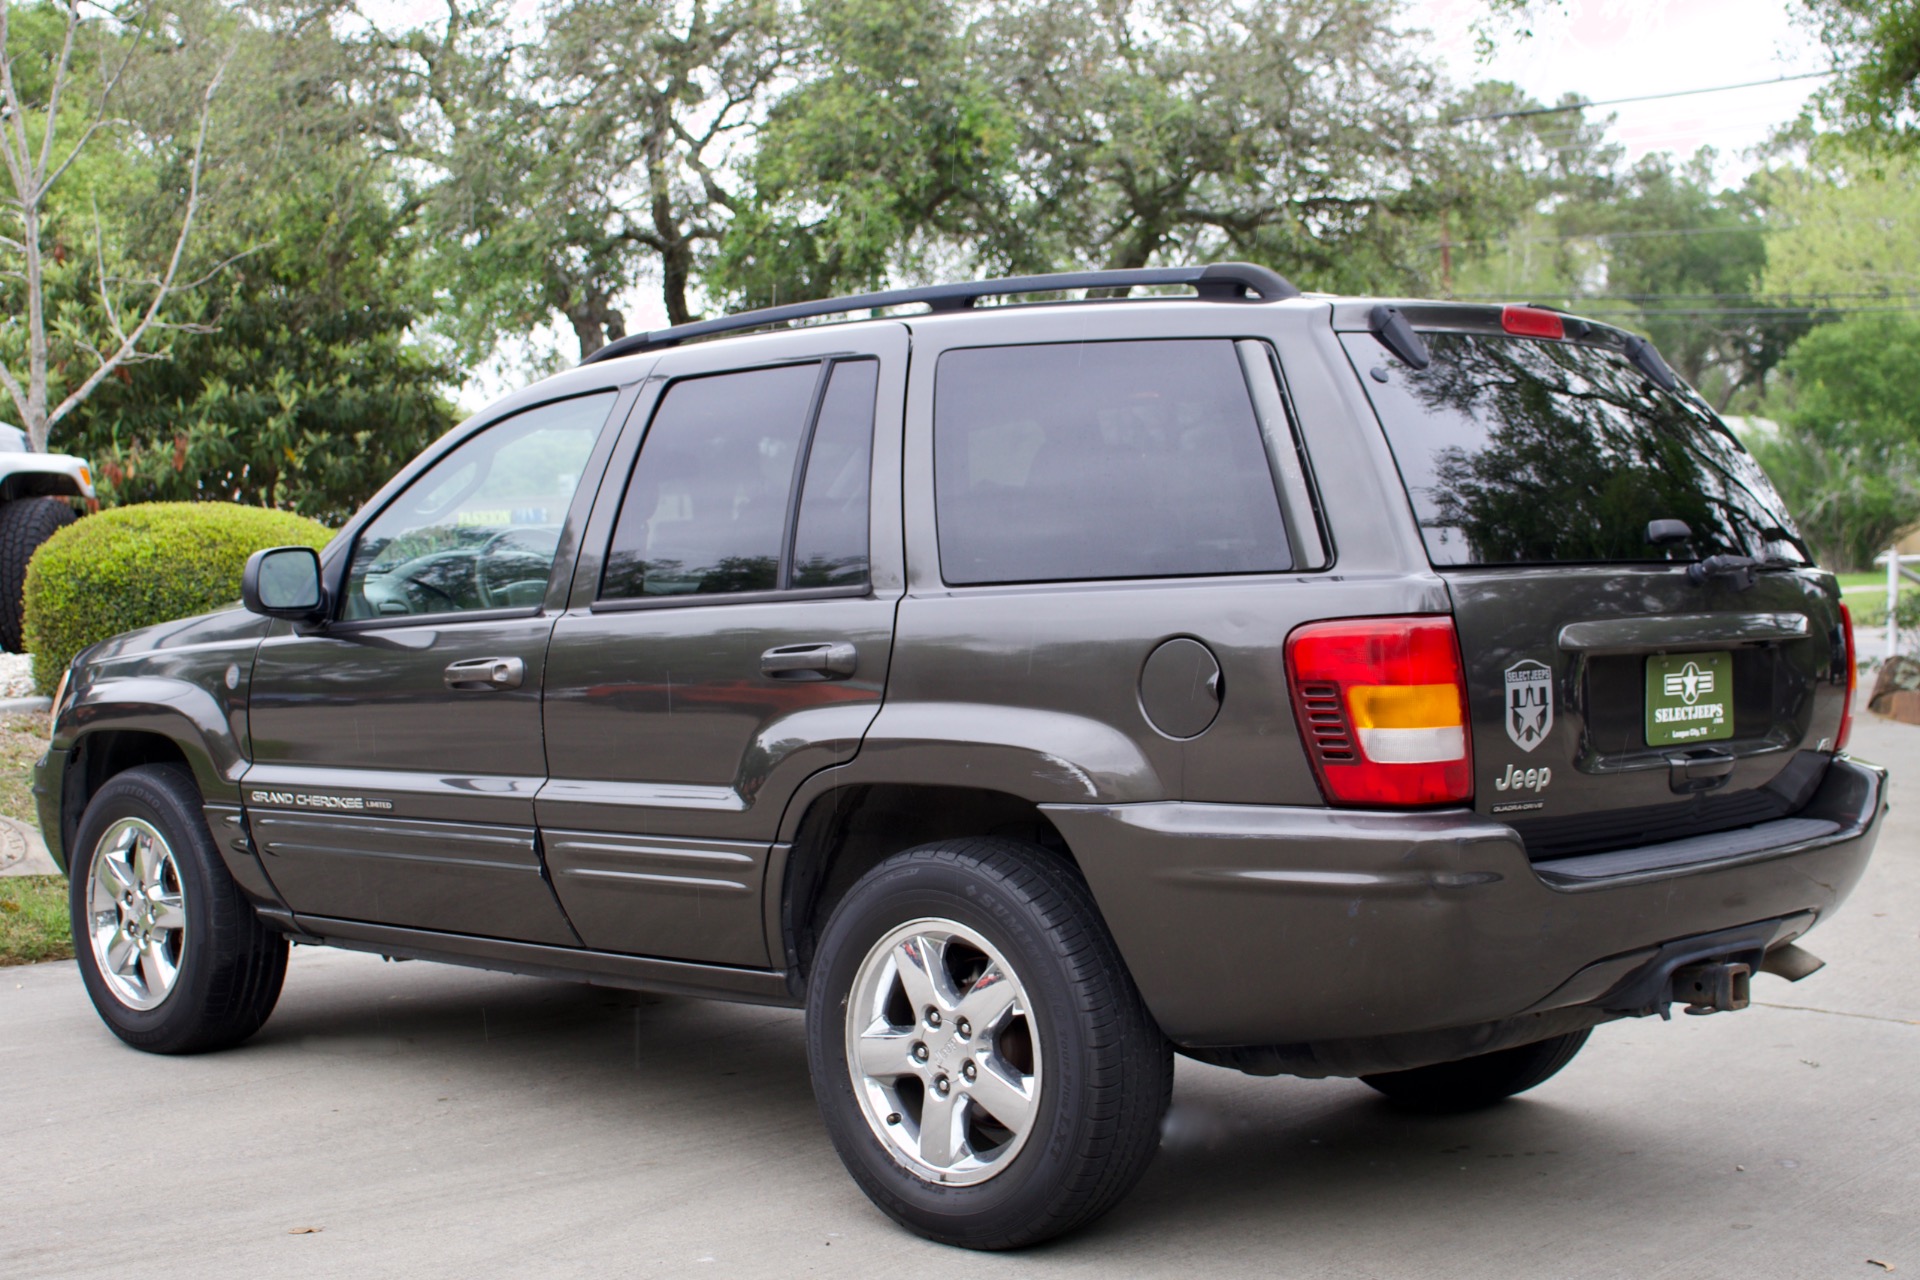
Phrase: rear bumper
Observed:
(1246, 925)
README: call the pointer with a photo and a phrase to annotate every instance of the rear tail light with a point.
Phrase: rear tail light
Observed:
(1382, 709)
(1532, 322)
(1853, 681)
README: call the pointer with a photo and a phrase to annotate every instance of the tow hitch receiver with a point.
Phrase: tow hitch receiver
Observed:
(1713, 987)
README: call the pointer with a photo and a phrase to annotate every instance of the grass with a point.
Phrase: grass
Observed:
(33, 909)
(33, 920)
(22, 739)
(1871, 579)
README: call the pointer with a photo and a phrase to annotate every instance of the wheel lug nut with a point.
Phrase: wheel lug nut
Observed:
(964, 1027)
(919, 1052)
(942, 1086)
(969, 1071)
(933, 1016)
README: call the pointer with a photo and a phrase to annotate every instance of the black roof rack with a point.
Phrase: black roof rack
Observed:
(1228, 280)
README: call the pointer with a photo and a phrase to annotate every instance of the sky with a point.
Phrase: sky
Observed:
(1605, 49)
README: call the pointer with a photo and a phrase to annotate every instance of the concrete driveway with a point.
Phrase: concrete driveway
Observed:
(415, 1120)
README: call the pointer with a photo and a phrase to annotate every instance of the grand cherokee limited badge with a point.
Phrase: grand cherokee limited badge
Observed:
(1529, 703)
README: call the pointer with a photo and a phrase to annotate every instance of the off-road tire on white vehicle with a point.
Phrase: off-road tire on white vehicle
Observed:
(25, 523)
(1099, 1071)
(1472, 1083)
(215, 969)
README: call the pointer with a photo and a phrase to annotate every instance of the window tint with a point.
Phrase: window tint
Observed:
(830, 538)
(706, 510)
(1101, 460)
(1521, 451)
(479, 529)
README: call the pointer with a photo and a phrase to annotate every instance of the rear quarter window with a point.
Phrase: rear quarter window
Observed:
(1078, 461)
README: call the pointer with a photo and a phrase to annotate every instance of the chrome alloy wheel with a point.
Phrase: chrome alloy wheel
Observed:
(136, 913)
(943, 1051)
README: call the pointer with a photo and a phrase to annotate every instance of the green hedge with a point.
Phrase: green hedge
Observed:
(134, 566)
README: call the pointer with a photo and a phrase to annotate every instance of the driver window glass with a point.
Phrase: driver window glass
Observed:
(479, 530)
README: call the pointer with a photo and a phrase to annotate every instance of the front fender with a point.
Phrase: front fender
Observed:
(207, 731)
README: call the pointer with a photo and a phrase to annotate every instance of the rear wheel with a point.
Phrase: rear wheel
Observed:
(1472, 1083)
(174, 958)
(25, 523)
(984, 1065)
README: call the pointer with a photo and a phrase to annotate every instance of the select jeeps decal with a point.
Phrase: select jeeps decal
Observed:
(305, 800)
(1529, 703)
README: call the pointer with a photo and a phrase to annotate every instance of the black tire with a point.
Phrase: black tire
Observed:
(1106, 1070)
(25, 523)
(1472, 1083)
(229, 965)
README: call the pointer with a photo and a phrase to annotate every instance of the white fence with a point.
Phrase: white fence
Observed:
(1896, 570)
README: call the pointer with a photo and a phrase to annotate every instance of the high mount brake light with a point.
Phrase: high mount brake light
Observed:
(1853, 681)
(1382, 709)
(1531, 322)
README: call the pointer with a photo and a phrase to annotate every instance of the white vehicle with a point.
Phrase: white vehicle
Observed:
(36, 498)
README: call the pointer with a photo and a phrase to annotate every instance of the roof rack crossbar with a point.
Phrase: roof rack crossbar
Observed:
(1221, 280)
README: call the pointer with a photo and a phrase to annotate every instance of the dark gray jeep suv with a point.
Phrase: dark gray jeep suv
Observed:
(1308, 685)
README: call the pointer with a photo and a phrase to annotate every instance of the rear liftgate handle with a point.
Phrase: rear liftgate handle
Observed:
(1701, 769)
(479, 675)
(820, 661)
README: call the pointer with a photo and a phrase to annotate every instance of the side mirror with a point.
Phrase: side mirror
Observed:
(284, 582)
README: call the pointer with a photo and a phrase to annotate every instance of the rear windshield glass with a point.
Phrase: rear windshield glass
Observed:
(1521, 451)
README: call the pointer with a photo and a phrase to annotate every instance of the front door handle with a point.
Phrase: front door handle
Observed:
(820, 661)
(481, 674)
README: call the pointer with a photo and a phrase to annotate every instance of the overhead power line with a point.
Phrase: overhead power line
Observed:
(1645, 97)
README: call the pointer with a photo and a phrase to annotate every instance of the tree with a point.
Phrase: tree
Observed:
(893, 149)
(1286, 131)
(299, 383)
(1875, 46)
(81, 308)
(565, 161)
(1848, 229)
(1847, 460)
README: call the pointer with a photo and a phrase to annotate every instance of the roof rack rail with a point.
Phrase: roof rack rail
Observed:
(1223, 280)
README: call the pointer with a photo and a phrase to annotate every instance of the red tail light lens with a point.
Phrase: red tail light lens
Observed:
(1531, 322)
(1382, 709)
(1853, 681)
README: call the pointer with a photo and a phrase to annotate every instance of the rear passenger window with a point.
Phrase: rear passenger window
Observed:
(1076, 461)
(711, 506)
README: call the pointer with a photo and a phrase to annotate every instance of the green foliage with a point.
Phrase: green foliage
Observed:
(132, 567)
(1847, 459)
(298, 384)
(896, 144)
(1848, 229)
(1876, 49)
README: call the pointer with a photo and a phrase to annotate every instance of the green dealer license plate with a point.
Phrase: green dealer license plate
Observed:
(1689, 698)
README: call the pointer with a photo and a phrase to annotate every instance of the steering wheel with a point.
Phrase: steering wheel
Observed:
(488, 600)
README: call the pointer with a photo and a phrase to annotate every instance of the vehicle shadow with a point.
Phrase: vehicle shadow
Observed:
(715, 1089)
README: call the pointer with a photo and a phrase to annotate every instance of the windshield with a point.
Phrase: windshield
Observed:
(1523, 451)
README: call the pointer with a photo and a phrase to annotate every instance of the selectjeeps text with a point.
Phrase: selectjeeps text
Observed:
(1309, 685)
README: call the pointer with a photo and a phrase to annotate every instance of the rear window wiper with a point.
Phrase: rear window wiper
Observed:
(1741, 570)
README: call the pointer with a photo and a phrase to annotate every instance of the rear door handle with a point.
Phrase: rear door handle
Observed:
(834, 660)
(482, 674)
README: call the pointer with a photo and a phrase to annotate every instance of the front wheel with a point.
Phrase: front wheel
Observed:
(172, 955)
(1472, 1083)
(985, 1067)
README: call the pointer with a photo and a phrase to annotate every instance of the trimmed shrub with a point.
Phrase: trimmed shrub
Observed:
(131, 567)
